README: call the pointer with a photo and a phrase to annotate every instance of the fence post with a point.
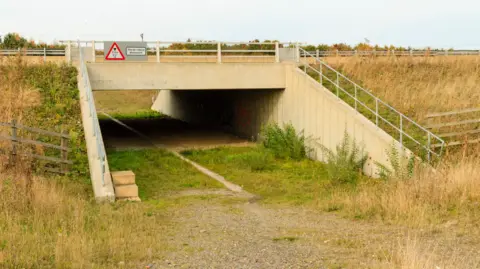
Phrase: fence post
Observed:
(14, 141)
(318, 54)
(44, 55)
(94, 56)
(321, 75)
(401, 130)
(277, 52)
(355, 53)
(305, 62)
(64, 152)
(157, 49)
(219, 52)
(376, 111)
(336, 53)
(446, 52)
(297, 52)
(411, 52)
(428, 145)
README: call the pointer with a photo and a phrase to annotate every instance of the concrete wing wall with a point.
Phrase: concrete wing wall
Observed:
(186, 76)
(321, 115)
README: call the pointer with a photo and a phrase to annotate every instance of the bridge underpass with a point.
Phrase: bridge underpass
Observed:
(239, 98)
(203, 119)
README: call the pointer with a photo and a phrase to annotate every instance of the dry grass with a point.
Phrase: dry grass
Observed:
(420, 84)
(426, 200)
(48, 224)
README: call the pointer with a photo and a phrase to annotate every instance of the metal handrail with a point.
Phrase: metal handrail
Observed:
(93, 114)
(378, 101)
(393, 52)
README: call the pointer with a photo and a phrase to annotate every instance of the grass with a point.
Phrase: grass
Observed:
(126, 104)
(285, 181)
(159, 172)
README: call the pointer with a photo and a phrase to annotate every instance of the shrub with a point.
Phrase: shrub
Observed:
(258, 160)
(402, 166)
(284, 143)
(345, 165)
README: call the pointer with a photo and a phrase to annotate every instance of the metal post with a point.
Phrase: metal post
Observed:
(356, 98)
(321, 74)
(157, 49)
(94, 56)
(401, 130)
(376, 111)
(44, 55)
(338, 84)
(318, 53)
(305, 62)
(14, 138)
(428, 145)
(277, 52)
(411, 52)
(69, 52)
(355, 52)
(219, 52)
(446, 52)
(297, 52)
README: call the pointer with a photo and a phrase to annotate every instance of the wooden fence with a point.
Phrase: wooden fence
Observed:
(17, 138)
(463, 126)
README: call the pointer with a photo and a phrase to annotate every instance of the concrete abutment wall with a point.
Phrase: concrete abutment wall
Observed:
(303, 102)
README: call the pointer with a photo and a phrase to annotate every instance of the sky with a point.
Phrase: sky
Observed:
(416, 23)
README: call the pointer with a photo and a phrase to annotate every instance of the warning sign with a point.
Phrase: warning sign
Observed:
(115, 53)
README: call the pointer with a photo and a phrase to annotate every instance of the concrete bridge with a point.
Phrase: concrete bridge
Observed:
(282, 84)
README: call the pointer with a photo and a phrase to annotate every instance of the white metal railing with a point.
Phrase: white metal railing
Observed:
(33, 52)
(101, 155)
(349, 53)
(403, 121)
(268, 51)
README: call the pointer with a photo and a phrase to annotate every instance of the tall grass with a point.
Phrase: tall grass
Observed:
(284, 142)
(418, 85)
(52, 224)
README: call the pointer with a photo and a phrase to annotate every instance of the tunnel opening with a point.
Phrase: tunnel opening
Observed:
(192, 119)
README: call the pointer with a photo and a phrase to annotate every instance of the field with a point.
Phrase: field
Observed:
(292, 213)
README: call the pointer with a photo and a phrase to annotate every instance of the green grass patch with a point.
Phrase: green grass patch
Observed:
(142, 114)
(159, 172)
(281, 181)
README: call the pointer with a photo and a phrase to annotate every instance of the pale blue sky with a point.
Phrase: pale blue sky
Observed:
(419, 23)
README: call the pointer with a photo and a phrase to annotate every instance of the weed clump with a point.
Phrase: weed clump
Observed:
(284, 143)
(346, 163)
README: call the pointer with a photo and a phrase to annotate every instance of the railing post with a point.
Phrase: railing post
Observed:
(297, 52)
(157, 49)
(318, 54)
(338, 84)
(336, 53)
(411, 52)
(401, 130)
(446, 52)
(376, 111)
(94, 56)
(321, 74)
(219, 52)
(356, 97)
(355, 53)
(14, 141)
(44, 55)
(277, 52)
(428, 145)
(69, 51)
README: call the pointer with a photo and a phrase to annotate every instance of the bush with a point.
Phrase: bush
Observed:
(284, 143)
(346, 164)
(401, 166)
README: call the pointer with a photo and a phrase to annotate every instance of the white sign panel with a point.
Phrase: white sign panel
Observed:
(136, 51)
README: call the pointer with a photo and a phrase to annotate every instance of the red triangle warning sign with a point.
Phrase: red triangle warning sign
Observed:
(114, 53)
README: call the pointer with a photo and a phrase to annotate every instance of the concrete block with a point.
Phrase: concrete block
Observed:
(124, 191)
(123, 178)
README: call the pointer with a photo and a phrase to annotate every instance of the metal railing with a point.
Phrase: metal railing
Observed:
(34, 52)
(376, 110)
(350, 53)
(211, 50)
(101, 155)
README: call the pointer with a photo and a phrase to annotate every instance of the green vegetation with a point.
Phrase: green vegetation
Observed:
(159, 172)
(15, 41)
(345, 165)
(146, 114)
(401, 166)
(281, 181)
(284, 143)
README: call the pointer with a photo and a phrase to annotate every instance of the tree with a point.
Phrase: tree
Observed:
(14, 41)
